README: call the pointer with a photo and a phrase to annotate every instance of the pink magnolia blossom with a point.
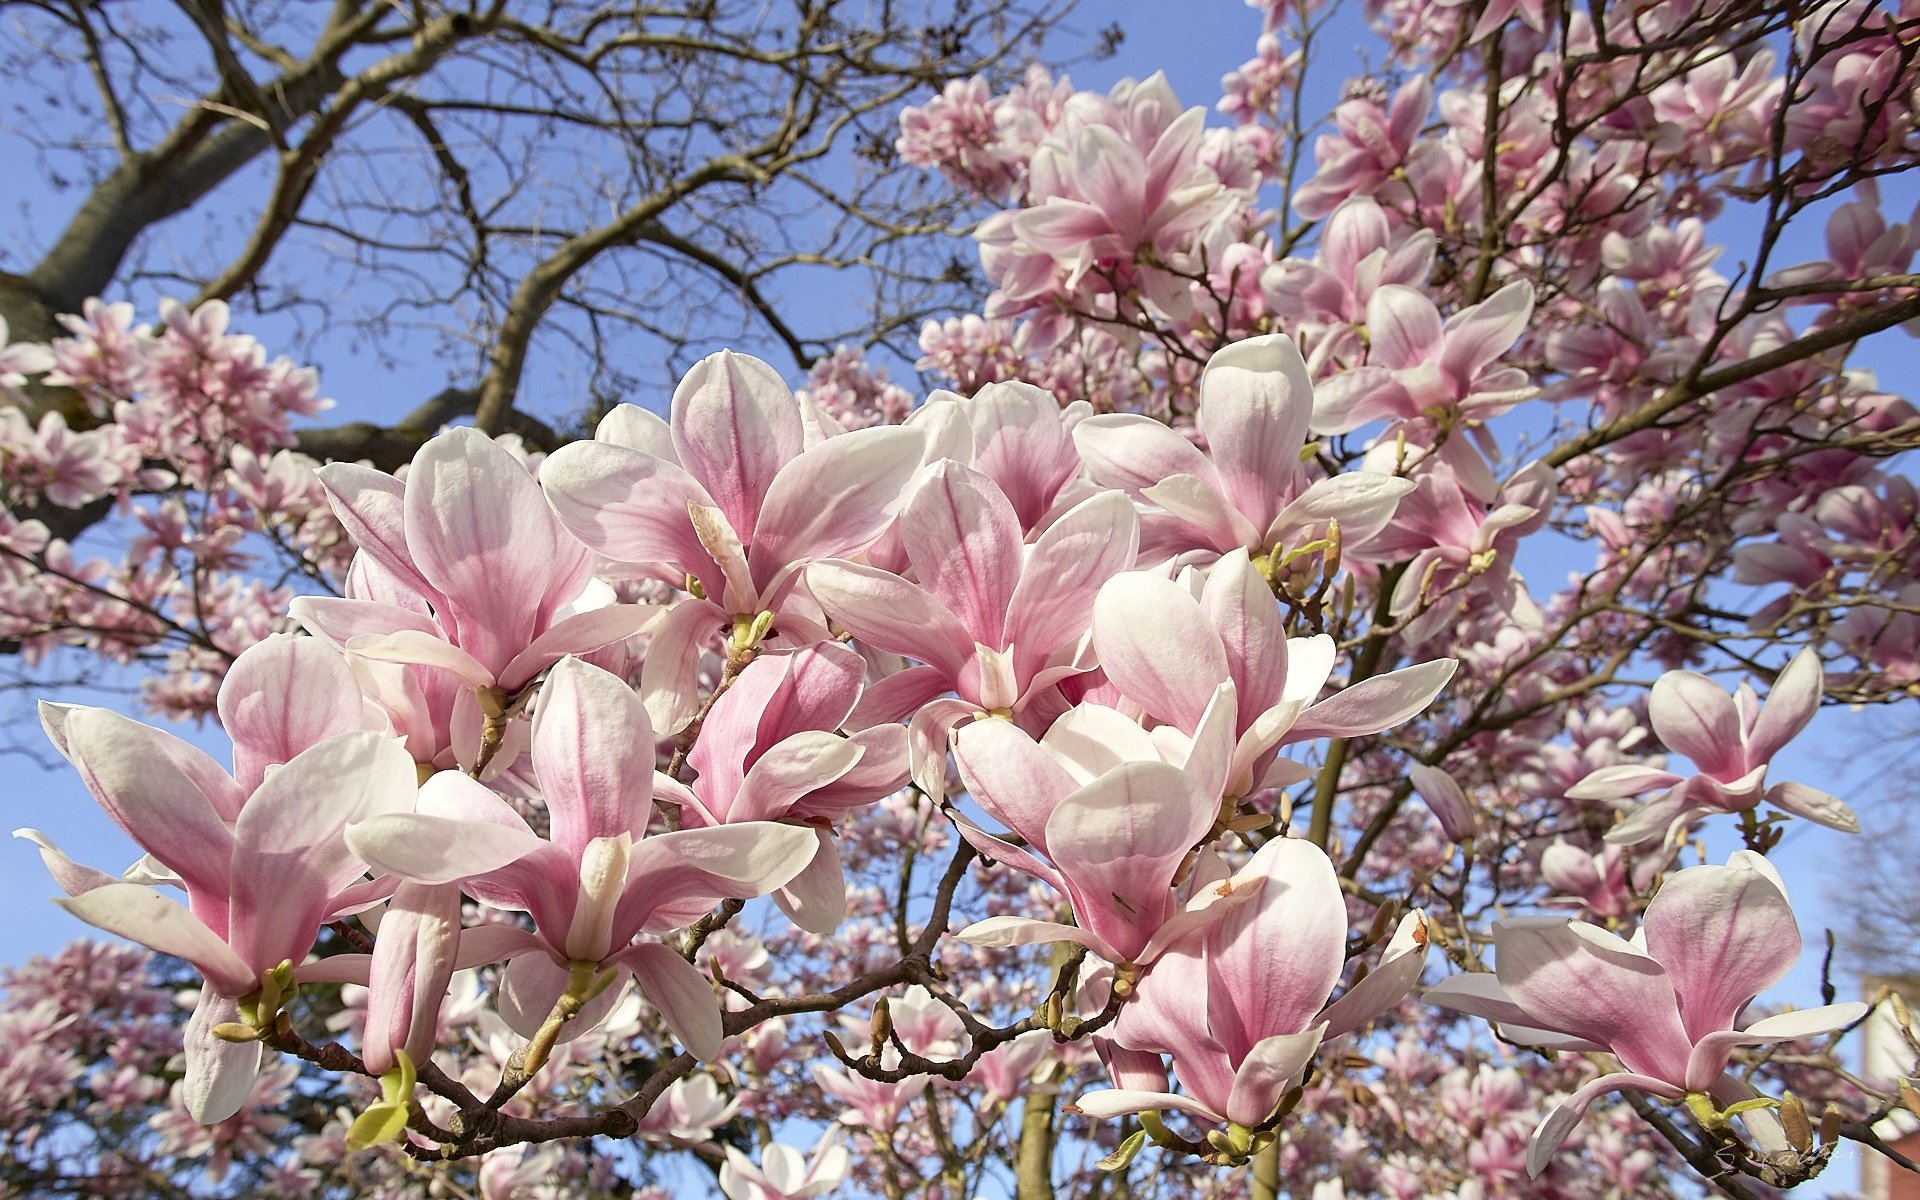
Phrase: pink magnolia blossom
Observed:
(783, 1174)
(1600, 881)
(769, 751)
(1115, 847)
(1248, 489)
(1017, 435)
(1419, 366)
(994, 620)
(732, 496)
(263, 866)
(1168, 649)
(1241, 1004)
(1667, 1003)
(1370, 143)
(1359, 252)
(477, 577)
(1731, 740)
(598, 881)
(18, 361)
(1116, 183)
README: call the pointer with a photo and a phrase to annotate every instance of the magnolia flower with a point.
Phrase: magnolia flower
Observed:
(263, 867)
(733, 496)
(1241, 1004)
(783, 1174)
(688, 1111)
(1419, 366)
(1116, 848)
(1731, 740)
(598, 881)
(996, 621)
(1248, 489)
(1015, 434)
(1667, 1004)
(768, 751)
(478, 578)
(1169, 646)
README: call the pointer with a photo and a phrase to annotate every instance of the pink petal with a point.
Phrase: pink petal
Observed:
(372, 506)
(1064, 570)
(1790, 706)
(897, 696)
(964, 540)
(816, 898)
(834, 500)
(150, 783)
(1025, 931)
(1446, 799)
(1401, 963)
(530, 986)
(1215, 523)
(281, 696)
(1022, 444)
(1011, 776)
(1813, 804)
(1270, 1068)
(1116, 1102)
(1361, 501)
(670, 674)
(219, 1075)
(1156, 645)
(1621, 780)
(581, 633)
(1255, 402)
(71, 876)
(888, 613)
(1118, 841)
(735, 424)
(143, 915)
(413, 961)
(1559, 1123)
(290, 855)
(1694, 716)
(415, 648)
(1375, 704)
(1133, 452)
(1478, 335)
(338, 621)
(1272, 963)
(789, 771)
(430, 849)
(635, 428)
(1713, 1052)
(1576, 978)
(682, 995)
(690, 867)
(481, 533)
(630, 507)
(1478, 994)
(1724, 934)
(593, 756)
(1241, 608)
(1403, 327)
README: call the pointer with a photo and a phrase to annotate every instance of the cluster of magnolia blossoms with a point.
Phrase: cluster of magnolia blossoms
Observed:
(188, 430)
(472, 676)
(1091, 602)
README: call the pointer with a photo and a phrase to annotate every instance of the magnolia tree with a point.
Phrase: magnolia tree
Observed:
(1014, 792)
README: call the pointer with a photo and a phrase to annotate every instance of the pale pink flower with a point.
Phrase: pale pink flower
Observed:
(1667, 1003)
(1731, 740)
(598, 881)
